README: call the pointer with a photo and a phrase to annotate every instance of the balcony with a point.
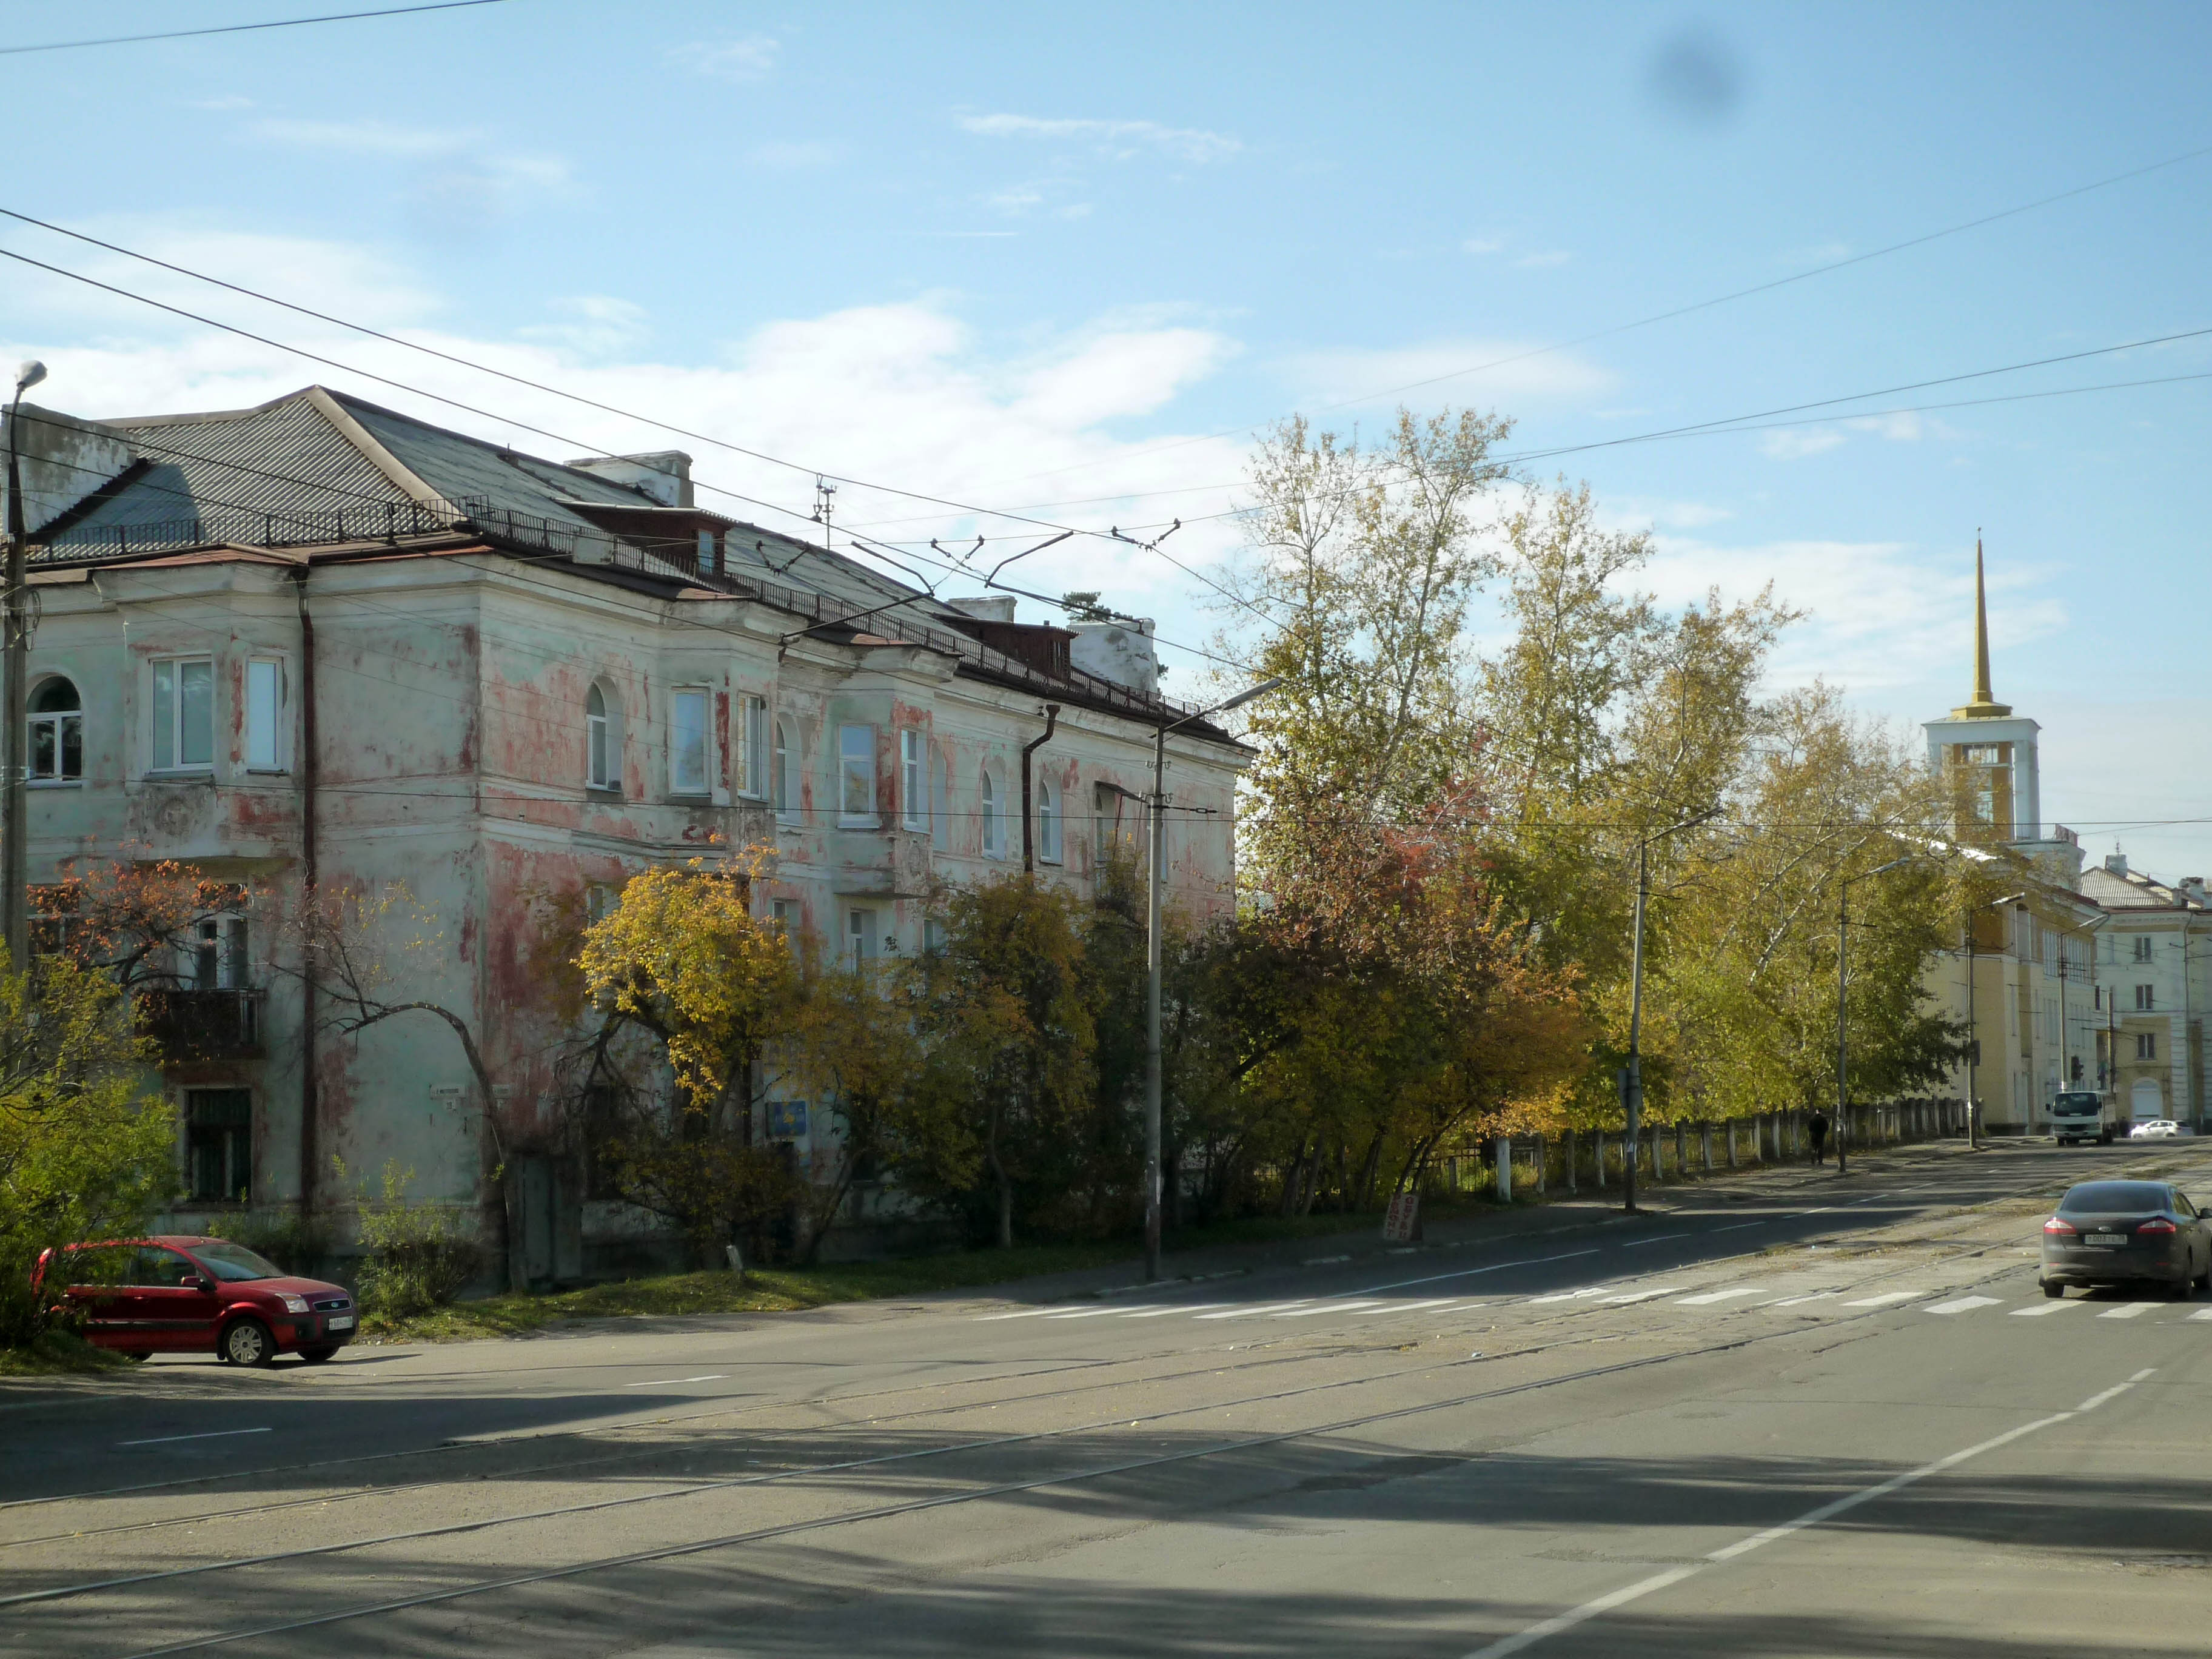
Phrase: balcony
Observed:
(191, 1025)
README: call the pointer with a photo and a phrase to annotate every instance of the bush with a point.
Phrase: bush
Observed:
(419, 1256)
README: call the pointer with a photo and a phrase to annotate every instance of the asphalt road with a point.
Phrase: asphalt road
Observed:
(1784, 1415)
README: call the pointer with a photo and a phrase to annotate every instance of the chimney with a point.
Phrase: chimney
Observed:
(664, 475)
(64, 460)
(2190, 888)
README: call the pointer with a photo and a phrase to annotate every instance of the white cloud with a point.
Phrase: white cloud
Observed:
(751, 59)
(1482, 244)
(1119, 139)
(459, 182)
(369, 138)
(906, 393)
(1355, 376)
(1795, 443)
(1544, 261)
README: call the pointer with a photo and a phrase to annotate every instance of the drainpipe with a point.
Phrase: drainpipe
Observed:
(307, 768)
(1029, 823)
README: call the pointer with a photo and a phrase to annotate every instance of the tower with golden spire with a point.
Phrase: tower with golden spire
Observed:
(1988, 754)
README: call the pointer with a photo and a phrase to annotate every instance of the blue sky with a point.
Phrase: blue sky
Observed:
(1011, 256)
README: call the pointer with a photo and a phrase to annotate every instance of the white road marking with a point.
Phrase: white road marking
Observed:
(1026, 1313)
(1656, 1238)
(1887, 1297)
(1642, 1296)
(2126, 1310)
(213, 1434)
(1737, 1227)
(2047, 1308)
(1711, 1296)
(1565, 1295)
(1792, 1301)
(1962, 1305)
(673, 1381)
(2204, 1314)
(1469, 1273)
(1588, 1610)
(1161, 1313)
(1100, 1313)
(1327, 1307)
(1432, 1302)
(1257, 1308)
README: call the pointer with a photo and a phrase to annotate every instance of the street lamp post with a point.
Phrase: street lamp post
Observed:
(15, 860)
(1152, 957)
(1843, 1007)
(1631, 1075)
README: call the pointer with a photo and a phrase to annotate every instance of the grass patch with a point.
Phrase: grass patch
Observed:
(59, 1353)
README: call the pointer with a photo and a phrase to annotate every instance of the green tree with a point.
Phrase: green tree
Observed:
(83, 1153)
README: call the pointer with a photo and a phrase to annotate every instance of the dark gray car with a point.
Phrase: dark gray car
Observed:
(2118, 1232)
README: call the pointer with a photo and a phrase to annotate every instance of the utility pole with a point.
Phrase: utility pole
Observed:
(15, 858)
(1153, 943)
(1842, 1006)
(1973, 1031)
(1631, 1075)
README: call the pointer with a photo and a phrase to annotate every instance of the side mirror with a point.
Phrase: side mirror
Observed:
(194, 1282)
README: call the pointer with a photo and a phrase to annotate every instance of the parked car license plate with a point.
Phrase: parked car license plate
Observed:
(2103, 1241)
(344, 1321)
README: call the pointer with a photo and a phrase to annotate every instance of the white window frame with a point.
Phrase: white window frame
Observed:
(783, 777)
(174, 667)
(941, 796)
(602, 743)
(1051, 824)
(994, 817)
(2142, 947)
(60, 721)
(753, 762)
(700, 784)
(863, 929)
(265, 729)
(2146, 999)
(856, 764)
(913, 778)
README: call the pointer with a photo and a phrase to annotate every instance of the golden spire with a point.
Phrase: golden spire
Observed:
(1984, 706)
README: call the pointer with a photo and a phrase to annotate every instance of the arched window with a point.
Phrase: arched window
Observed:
(57, 733)
(994, 832)
(1047, 825)
(783, 786)
(602, 742)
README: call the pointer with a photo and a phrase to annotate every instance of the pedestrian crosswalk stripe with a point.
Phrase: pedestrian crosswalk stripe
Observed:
(1711, 1296)
(1792, 1301)
(1257, 1308)
(2204, 1314)
(1643, 1296)
(1888, 1296)
(1327, 1307)
(2127, 1310)
(1100, 1313)
(1161, 1313)
(1419, 1307)
(1963, 1304)
(2047, 1308)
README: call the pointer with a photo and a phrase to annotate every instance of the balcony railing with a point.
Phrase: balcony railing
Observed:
(195, 1024)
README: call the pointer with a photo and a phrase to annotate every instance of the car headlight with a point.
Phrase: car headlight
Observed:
(297, 1304)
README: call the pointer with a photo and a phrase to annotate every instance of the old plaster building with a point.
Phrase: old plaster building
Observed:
(2152, 969)
(319, 640)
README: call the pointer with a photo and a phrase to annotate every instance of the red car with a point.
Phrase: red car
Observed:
(181, 1295)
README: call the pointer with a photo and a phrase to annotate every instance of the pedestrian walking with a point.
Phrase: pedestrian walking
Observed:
(1816, 1128)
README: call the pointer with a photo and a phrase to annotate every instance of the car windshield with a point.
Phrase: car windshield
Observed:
(234, 1263)
(2077, 1102)
(2115, 1197)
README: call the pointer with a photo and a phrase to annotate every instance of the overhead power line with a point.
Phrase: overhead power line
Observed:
(244, 28)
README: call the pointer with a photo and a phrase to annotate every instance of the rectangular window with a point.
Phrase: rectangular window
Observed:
(265, 709)
(687, 743)
(787, 1119)
(184, 714)
(856, 774)
(219, 1144)
(2147, 1045)
(941, 800)
(933, 936)
(709, 561)
(860, 937)
(913, 779)
(2143, 949)
(752, 729)
(2143, 999)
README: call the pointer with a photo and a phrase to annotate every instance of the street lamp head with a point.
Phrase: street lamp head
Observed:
(1247, 694)
(29, 374)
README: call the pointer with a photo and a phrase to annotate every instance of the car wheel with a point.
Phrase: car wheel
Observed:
(2053, 1289)
(316, 1355)
(248, 1342)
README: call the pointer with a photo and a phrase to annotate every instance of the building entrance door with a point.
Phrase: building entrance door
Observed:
(2147, 1102)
